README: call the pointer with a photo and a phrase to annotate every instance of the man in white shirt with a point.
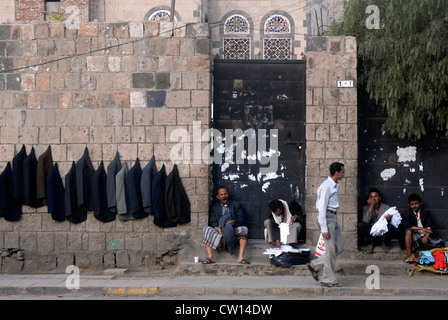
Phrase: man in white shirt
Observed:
(328, 204)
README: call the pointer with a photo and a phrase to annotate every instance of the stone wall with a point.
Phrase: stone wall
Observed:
(332, 129)
(94, 87)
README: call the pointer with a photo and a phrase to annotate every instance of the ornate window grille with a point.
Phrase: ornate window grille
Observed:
(236, 48)
(236, 24)
(277, 49)
(161, 16)
(277, 24)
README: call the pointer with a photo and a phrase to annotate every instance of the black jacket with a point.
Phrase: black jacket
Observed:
(55, 194)
(158, 200)
(84, 175)
(30, 181)
(10, 208)
(72, 212)
(17, 174)
(44, 166)
(135, 193)
(99, 186)
(236, 213)
(146, 185)
(176, 199)
(409, 220)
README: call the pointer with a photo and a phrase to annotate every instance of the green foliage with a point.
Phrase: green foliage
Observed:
(404, 62)
(57, 16)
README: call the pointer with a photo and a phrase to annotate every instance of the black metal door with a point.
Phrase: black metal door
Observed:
(400, 167)
(259, 109)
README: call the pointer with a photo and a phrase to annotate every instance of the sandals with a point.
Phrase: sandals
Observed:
(244, 261)
(330, 285)
(314, 273)
(208, 261)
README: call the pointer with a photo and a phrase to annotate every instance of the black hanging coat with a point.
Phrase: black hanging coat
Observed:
(99, 186)
(112, 170)
(176, 199)
(135, 193)
(84, 174)
(30, 181)
(44, 166)
(55, 194)
(17, 174)
(158, 200)
(146, 185)
(10, 208)
(72, 212)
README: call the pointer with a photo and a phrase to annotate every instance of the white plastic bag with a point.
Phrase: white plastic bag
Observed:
(320, 248)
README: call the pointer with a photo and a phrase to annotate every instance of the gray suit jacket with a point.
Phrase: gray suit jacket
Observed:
(369, 216)
(122, 188)
(112, 170)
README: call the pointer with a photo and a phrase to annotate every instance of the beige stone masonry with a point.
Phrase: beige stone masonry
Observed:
(90, 87)
(331, 129)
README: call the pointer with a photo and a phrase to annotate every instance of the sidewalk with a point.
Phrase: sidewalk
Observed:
(250, 287)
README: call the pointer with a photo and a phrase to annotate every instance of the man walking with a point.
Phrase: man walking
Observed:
(328, 204)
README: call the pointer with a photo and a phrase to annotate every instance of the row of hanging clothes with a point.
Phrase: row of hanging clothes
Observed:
(128, 194)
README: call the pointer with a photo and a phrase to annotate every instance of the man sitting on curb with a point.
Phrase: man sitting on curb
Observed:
(226, 223)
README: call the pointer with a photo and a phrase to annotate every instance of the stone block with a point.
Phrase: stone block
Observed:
(121, 30)
(137, 99)
(155, 98)
(5, 32)
(11, 265)
(13, 81)
(142, 80)
(122, 259)
(162, 80)
(41, 30)
(97, 64)
(88, 30)
(65, 100)
(136, 29)
(319, 44)
(43, 82)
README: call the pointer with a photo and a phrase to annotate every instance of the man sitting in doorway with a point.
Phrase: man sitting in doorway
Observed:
(418, 226)
(371, 213)
(226, 223)
(280, 213)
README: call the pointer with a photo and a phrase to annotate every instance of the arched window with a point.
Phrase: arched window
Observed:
(236, 43)
(277, 40)
(277, 24)
(236, 24)
(161, 16)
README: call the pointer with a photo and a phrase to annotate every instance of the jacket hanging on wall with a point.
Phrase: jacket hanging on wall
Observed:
(146, 185)
(55, 194)
(135, 193)
(176, 199)
(112, 170)
(84, 174)
(122, 188)
(44, 166)
(10, 208)
(99, 186)
(17, 174)
(30, 181)
(72, 212)
(158, 200)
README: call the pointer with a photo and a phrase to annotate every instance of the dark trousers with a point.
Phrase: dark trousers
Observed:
(365, 238)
